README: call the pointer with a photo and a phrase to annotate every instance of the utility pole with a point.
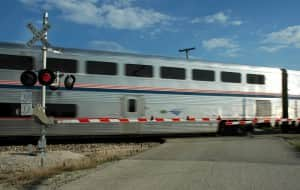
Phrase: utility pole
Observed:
(186, 50)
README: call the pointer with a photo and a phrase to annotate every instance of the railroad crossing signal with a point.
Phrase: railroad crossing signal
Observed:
(38, 35)
(45, 76)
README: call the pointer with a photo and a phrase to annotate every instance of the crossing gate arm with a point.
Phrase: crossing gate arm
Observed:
(144, 125)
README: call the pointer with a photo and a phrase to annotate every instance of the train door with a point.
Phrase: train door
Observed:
(133, 106)
(263, 108)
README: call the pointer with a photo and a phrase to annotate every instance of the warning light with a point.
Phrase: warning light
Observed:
(46, 77)
(28, 78)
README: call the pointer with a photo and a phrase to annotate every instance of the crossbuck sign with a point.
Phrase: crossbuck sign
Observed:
(38, 35)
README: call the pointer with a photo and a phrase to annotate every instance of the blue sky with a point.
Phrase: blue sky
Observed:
(252, 32)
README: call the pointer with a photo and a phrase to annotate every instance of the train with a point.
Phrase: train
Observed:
(127, 85)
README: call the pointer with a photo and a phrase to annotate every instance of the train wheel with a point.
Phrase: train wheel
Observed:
(221, 130)
(284, 128)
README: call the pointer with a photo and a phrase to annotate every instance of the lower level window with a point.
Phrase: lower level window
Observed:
(61, 110)
(10, 109)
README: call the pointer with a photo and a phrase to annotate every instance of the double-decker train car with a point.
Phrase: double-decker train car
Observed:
(124, 85)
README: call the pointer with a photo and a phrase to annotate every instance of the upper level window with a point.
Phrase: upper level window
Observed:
(255, 79)
(63, 65)
(16, 62)
(102, 68)
(203, 75)
(139, 70)
(230, 77)
(172, 73)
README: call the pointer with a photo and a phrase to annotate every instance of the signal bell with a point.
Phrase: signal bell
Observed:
(28, 78)
(46, 77)
(69, 82)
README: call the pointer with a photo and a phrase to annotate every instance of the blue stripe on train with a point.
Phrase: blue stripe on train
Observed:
(151, 92)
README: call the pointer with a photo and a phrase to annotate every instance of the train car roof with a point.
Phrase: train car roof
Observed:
(133, 55)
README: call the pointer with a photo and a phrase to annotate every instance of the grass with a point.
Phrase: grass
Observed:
(35, 176)
(91, 160)
(292, 139)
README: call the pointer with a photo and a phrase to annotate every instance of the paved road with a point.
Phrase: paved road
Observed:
(203, 163)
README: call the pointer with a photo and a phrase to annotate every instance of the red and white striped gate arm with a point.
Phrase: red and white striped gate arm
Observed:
(127, 120)
(176, 119)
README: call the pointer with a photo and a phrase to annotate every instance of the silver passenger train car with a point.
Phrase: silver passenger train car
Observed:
(118, 85)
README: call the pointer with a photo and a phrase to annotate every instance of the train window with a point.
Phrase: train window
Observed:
(132, 105)
(10, 109)
(139, 70)
(203, 75)
(16, 62)
(61, 110)
(102, 68)
(255, 79)
(172, 73)
(231, 77)
(63, 65)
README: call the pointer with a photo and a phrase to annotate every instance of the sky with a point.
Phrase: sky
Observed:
(251, 32)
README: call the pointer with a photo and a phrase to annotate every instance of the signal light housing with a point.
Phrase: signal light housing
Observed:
(28, 78)
(46, 77)
(69, 82)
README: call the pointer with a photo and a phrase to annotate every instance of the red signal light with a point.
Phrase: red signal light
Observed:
(46, 77)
